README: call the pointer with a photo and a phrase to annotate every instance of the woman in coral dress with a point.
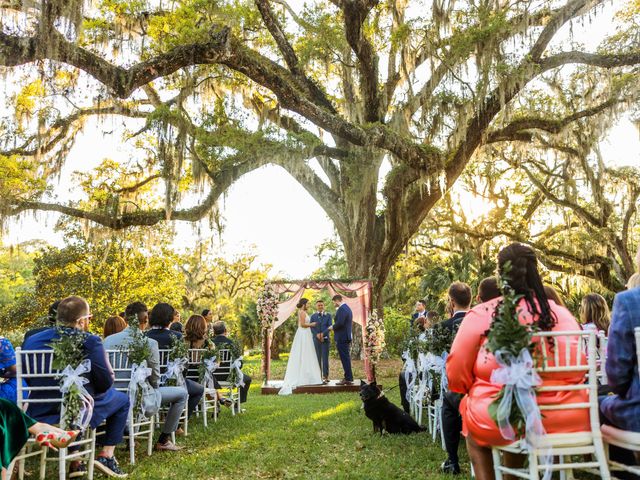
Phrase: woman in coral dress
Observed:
(469, 365)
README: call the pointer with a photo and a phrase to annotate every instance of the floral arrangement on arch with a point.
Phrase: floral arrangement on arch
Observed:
(374, 335)
(267, 307)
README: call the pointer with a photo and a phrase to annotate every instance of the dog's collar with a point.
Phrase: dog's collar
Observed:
(380, 396)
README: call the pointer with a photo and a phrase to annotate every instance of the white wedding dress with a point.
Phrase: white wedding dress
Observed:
(302, 367)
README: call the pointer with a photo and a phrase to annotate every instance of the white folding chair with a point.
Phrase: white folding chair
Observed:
(601, 357)
(209, 399)
(553, 355)
(623, 438)
(37, 364)
(223, 371)
(184, 418)
(137, 428)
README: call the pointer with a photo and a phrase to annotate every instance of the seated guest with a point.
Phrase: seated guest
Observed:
(208, 315)
(109, 405)
(113, 325)
(594, 313)
(8, 382)
(553, 295)
(196, 333)
(15, 429)
(432, 319)
(51, 317)
(458, 306)
(175, 398)
(160, 319)
(488, 289)
(420, 312)
(622, 409)
(469, 365)
(222, 341)
(177, 327)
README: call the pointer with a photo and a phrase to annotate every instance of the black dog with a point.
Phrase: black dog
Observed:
(386, 416)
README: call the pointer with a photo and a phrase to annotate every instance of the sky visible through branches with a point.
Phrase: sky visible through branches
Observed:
(265, 208)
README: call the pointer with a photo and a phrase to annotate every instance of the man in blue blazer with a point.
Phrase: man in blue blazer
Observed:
(320, 339)
(110, 406)
(342, 336)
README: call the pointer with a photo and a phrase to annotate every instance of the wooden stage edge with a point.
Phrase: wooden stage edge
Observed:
(331, 387)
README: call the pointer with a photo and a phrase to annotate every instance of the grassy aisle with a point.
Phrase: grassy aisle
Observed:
(301, 436)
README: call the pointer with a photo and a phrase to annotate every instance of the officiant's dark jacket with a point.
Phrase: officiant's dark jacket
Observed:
(323, 321)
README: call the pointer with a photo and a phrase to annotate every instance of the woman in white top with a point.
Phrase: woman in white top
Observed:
(302, 367)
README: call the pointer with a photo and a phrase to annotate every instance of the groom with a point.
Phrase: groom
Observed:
(342, 335)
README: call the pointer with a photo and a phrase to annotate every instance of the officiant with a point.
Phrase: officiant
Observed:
(323, 322)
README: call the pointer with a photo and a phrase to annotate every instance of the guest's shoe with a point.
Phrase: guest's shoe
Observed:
(167, 447)
(226, 402)
(110, 467)
(344, 382)
(325, 381)
(450, 467)
(56, 440)
(77, 470)
(180, 432)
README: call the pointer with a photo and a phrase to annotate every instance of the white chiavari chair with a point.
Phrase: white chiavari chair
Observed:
(622, 438)
(138, 427)
(184, 418)
(209, 400)
(34, 366)
(582, 450)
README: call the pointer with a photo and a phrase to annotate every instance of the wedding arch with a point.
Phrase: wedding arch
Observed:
(273, 312)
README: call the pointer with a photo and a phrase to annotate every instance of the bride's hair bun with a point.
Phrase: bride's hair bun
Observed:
(302, 302)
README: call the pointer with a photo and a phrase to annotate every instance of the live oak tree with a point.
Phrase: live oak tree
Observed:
(374, 107)
(555, 190)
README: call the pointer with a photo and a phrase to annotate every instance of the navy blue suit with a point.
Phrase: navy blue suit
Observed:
(323, 321)
(342, 336)
(109, 404)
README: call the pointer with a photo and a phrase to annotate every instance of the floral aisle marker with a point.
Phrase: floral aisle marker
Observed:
(374, 341)
(267, 309)
(138, 351)
(515, 409)
(208, 365)
(68, 358)
(178, 360)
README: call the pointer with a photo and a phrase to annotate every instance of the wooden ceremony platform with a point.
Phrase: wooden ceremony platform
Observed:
(272, 387)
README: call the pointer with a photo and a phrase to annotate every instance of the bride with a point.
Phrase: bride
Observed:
(302, 367)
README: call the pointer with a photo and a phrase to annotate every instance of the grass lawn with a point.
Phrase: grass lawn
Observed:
(300, 436)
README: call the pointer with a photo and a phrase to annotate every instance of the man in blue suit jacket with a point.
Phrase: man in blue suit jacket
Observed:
(110, 406)
(623, 409)
(342, 336)
(321, 339)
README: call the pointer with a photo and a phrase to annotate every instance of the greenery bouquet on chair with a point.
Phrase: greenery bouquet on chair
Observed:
(68, 358)
(208, 365)
(144, 399)
(515, 409)
(178, 360)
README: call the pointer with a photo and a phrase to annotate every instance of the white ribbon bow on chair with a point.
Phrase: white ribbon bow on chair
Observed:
(237, 366)
(175, 369)
(210, 366)
(139, 375)
(73, 377)
(409, 374)
(519, 378)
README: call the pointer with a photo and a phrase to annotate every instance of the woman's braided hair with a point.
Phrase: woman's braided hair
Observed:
(524, 278)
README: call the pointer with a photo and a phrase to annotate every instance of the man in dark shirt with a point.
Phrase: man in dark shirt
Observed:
(222, 341)
(160, 318)
(110, 406)
(458, 306)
